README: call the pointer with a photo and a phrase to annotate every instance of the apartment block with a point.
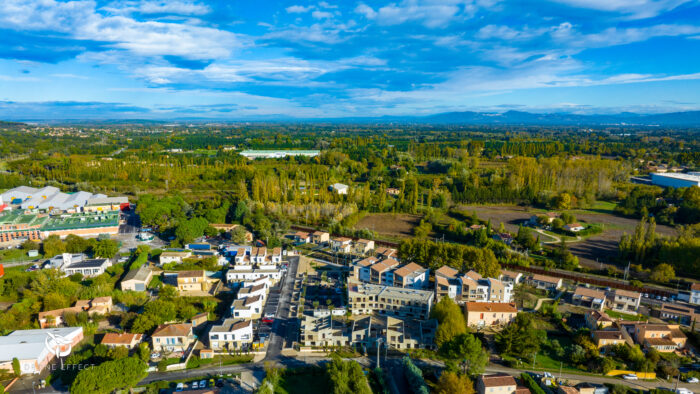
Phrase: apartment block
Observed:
(365, 298)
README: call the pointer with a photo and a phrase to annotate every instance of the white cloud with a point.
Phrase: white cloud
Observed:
(149, 38)
(633, 9)
(298, 9)
(321, 15)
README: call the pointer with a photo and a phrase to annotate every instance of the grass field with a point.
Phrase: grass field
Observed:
(388, 224)
(596, 248)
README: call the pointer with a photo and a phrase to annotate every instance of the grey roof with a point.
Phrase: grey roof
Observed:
(141, 274)
(92, 263)
(31, 344)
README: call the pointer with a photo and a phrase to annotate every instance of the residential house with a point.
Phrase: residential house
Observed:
(573, 227)
(363, 246)
(598, 320)
(35, 349)
(320, 237)
(231, 334)
(562, 389)
(498, 383)
(253, 291)
(506, 238)
(137, 279)
(624, 300)
(603, 338)
(676, 313)
(365, 298)
(470, 287)
(56, 317)
(172, 256)
(88, 268)
(411, 275)
(193, 281)
(340, 188)
(510, 277)
(341, 245)
(302, 237)
(382, 272)
(323, 331)
(361, 269)
(126, 340)
(446, 283)
(247, 307)
(590, 388)
(589, 298)
(401, 334)
(481, 314)
(545, 282)
(392, 191)
(237, 275)
(385, 253)
(172, 337)
(695, 294)
(199, 319)
(662, 337)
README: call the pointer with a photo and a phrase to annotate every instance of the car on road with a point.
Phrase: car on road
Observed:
(630, 376)
(692, 380)
(270, 315)
(267, 320)
(682, 390)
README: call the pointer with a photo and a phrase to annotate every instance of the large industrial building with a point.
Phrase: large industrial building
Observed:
(34, 214)
(676, 179)
(277, 154)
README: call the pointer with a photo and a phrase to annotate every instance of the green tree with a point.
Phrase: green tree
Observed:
(450, 319)
(109, 376)
(53, 246)
(467, 349)
(663, 273)
(451, 383)
(16, 369)
(520, 338)
(347, 377)
(106, 248)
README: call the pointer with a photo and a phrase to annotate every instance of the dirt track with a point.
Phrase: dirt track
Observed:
(601, 246)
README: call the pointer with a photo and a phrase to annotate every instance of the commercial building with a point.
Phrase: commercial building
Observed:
(49, 199)
(172, 337)
(36, 348)
(364, 299)
(676, 180)
(231, 334)
(481, 314)
(137, 279)
(277, 154)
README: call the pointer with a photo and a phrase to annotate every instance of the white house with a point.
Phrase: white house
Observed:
(247, 308)
(341, 244)
(258, 290)
(265, 280)
(695, 294)
(573, 227)
(247, 275)
(340, 188)
(231, 334)
(171, 256)
(87, 268)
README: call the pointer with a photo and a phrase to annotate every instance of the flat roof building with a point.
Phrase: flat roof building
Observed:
(365, 298)
(675, 179)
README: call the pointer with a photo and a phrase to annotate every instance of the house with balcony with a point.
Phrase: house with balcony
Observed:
(545, 282)
(172, 337)
(483, 314)
(247, 307)
(498, 383)
(589, 298)
(341, 245)
(231, 334)
(363, 246)
(625, 301)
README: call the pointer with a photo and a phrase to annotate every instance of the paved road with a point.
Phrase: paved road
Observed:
(281, 324)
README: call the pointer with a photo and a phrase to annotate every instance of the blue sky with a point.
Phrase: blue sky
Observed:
(236, 59)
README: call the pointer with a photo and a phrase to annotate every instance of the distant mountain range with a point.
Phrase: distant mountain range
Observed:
(690, 119)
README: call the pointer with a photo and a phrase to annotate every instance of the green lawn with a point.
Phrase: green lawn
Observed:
(620, 315)
(303, 384)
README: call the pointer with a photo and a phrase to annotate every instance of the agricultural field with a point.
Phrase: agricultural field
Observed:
(390, 225)
(599, 246)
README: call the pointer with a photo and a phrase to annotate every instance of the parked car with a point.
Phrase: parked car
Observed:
(693, 380)
(195, 385)
(630, 376)
(681, 390)
(267, 320)
(270, 315)
(202, 383)
(220, 383)
(211, 382)
(179, 387)
(155, 355)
